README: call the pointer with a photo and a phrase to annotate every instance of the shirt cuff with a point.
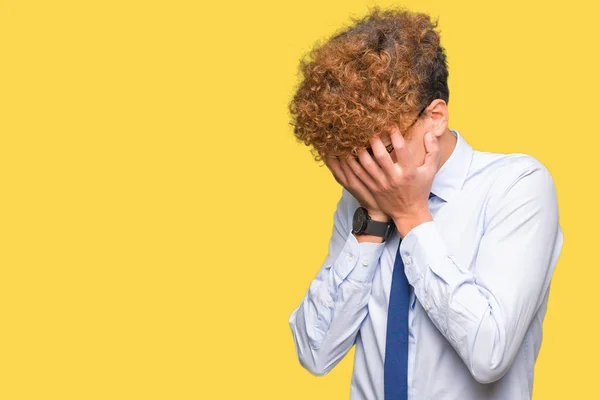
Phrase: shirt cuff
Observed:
(424, 248)
(358, 260)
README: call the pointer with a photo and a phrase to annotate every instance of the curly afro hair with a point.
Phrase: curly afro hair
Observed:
(382, 71)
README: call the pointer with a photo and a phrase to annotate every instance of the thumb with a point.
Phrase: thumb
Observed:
(432, 152)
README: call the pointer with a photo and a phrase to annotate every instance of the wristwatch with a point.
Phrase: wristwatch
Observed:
(363, 224)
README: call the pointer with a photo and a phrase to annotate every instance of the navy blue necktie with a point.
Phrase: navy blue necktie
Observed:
(396, 343)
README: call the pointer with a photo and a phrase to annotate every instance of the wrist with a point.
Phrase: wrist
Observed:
(405, 223)
(379, 216)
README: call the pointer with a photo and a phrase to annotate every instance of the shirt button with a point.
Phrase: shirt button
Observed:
(329, 303)
(407, 260)
(350, 257)
(365, 263)
(426, 307)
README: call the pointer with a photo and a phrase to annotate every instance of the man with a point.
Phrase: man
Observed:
(441, 256)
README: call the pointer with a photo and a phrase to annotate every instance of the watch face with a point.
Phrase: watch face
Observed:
(358, 220)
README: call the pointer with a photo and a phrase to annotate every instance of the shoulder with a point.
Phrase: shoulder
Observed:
(504, 171)
(519, 180)
(503, 163)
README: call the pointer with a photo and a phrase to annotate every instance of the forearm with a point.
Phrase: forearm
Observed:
(485, 323)
(327, 320)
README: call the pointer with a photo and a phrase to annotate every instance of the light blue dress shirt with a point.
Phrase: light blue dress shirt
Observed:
(480, 277)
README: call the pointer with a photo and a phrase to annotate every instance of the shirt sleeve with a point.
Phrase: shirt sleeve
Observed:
(484, 312)
(326, 322)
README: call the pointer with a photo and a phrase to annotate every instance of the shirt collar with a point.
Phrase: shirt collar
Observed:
(450, 178)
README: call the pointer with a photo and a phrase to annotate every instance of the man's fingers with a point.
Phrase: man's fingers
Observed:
(370, 166)
(353, 180)
(432, 153)
(381, 155)
(359, 172)
(402, 153)
(336, 170)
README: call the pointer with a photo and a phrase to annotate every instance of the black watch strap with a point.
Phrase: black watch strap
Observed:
(378, 228)
(363, 224)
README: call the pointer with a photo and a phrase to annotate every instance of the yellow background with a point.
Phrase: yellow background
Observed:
(159, 223)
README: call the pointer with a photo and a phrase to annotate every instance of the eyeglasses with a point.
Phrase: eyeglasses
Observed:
(390, 147)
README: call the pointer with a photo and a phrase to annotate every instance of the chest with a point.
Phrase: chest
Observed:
(461, 224)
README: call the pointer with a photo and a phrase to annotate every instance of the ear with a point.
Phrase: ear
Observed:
(437, 117)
